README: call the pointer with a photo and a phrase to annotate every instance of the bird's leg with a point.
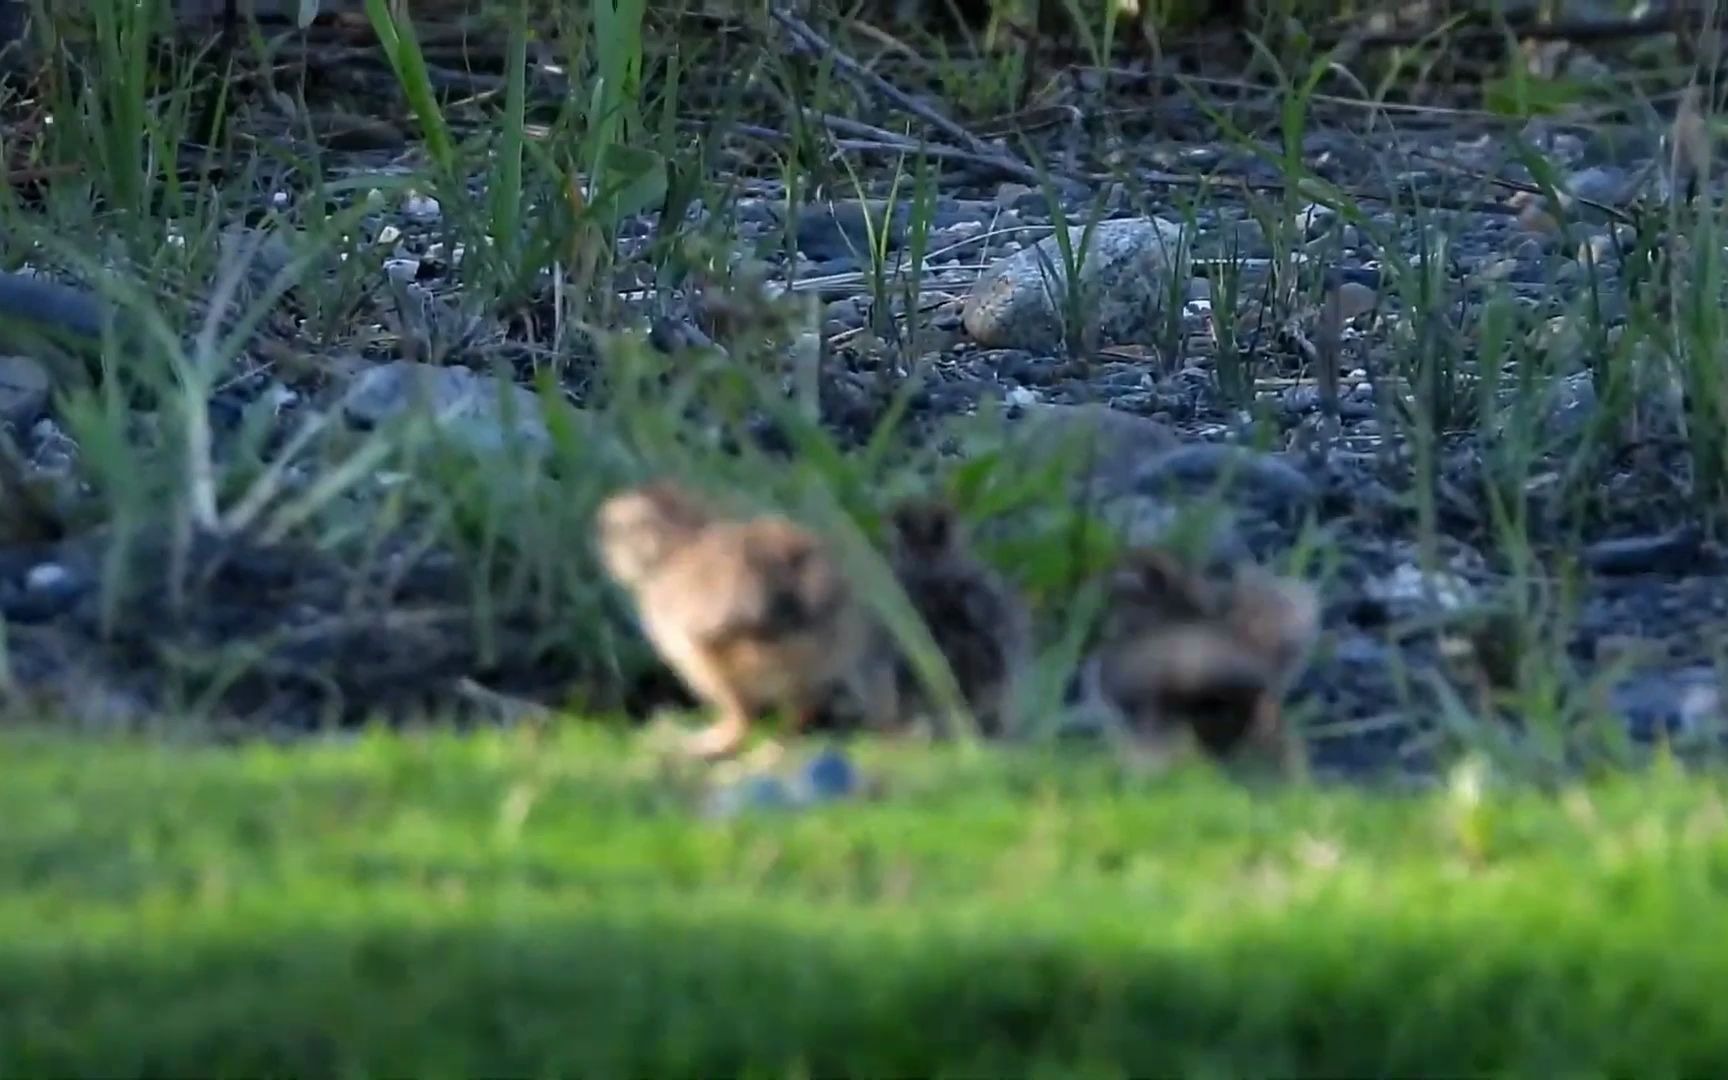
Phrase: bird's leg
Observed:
(722, 737)
(1270, 736)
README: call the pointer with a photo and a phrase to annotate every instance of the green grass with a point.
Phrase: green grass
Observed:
(640, 122)
(516, 904)
(529, 905)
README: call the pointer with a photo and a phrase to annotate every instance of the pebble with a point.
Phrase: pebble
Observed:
(422, 208)
(752, 793)
(1125, 276)
(1601, 183)
(45, 577)
(51, 449)
(1568, 405)
(1407, 592)
(829, 775)
(49, 590)
(465, 401)
(1355, 298)
(1314, 219)
(24, 387)
(30, 298)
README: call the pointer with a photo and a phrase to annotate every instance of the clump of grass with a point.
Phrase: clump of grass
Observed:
(1483, 371)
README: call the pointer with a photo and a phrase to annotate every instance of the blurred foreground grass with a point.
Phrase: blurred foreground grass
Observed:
(536, 905)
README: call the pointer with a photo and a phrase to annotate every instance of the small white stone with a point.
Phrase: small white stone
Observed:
(1355, 298)
(389, 234)
(423, 208)
(279, 199)
(402, 271)
(45, 576)
(1023, 397)
(1408, 584)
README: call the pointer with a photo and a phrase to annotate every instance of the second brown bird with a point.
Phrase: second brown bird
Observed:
(975, 618)
(1181, 656)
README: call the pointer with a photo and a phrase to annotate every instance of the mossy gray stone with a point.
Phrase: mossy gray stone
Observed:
(1126, 271)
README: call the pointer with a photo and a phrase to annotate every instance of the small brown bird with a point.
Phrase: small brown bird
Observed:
(1181, 656)
(752, 613)
(975, 618)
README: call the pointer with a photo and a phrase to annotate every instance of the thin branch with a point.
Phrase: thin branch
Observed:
(810, 41)
(895, 144)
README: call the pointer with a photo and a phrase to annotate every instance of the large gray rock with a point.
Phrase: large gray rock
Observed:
(467, 404)
(1110, 446)
(1125, 278)
(24, 389)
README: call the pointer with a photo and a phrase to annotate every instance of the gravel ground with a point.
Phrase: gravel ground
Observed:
(1649, 580)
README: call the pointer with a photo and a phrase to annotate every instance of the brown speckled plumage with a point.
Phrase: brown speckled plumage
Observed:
(1180, 655)
(973, 615)
(751, 613)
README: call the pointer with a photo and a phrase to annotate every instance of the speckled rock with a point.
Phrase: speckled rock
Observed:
(24, 388)
(1126, 275)
(466, 403)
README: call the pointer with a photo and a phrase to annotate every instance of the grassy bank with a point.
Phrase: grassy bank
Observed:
(512, 905)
